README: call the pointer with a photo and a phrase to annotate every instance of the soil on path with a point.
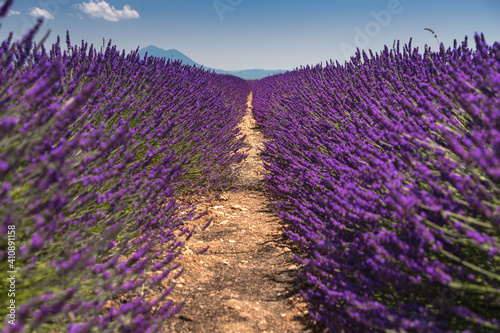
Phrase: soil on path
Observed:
(247, 280)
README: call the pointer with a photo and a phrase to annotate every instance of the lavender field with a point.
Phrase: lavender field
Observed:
(384, 172)
(95, 149)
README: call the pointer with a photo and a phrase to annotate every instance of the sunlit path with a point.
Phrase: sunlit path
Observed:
(247, 281)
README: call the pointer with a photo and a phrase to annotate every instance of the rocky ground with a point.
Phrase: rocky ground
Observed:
(247, 280)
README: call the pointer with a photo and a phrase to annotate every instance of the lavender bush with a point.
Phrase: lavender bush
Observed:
(95, 148)
(386, 170)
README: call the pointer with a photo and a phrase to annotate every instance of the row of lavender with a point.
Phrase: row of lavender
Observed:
(94, 148)
(387, 172)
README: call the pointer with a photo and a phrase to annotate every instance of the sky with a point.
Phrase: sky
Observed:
(264, 34)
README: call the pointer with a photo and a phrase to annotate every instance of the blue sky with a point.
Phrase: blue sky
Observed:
(244, 34)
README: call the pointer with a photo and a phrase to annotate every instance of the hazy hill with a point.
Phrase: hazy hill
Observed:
(248, 74)
(173, 54)
(251, 74)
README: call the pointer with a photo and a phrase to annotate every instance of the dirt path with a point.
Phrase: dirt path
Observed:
(247, 280)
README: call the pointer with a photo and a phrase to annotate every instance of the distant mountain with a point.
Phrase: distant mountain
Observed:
(173, 54)
(248, 74)
(251, 74)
